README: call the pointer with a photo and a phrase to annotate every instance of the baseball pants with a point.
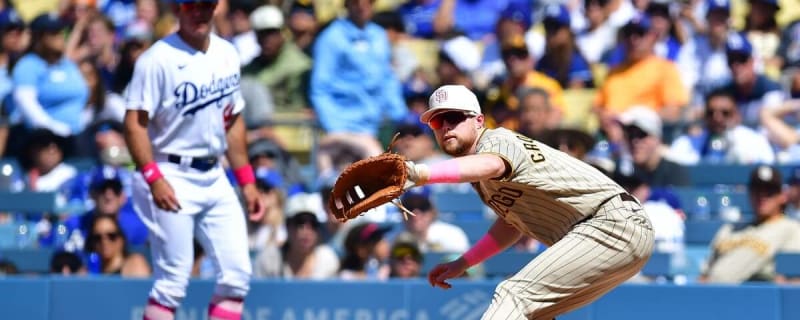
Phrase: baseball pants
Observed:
(596, 256)
(211, 212)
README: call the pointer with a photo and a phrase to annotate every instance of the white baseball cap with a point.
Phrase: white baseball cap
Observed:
(306, 202)
(266, 17)
(463, 52)
(451, 97)
(644, 118)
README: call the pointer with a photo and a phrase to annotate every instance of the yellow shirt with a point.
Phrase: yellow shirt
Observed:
(653, 82)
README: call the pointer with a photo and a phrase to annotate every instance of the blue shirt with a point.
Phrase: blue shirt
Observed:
(132, 226)
(477, 18)
(60, 87)
(353, 86)
(418, 18)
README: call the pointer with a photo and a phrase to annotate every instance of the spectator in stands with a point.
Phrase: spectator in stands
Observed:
(281, 66)
(109, 242)
(304, 255)
(353, 88)
(44, 161)
(643, 79)
(502, 105)
(265, 154)
(753, 91)
(600, 34)
(642, 127)
(404, 60)
(13, 41)
(789, 49)
(366, 253)
(458, 59)
(405, 260)
(475, 18)
(512, 23)
(271, 230)
(670, 34)
(110, 198)
(130, 49)
(243, 36)
(431, 234)
(103, 104)
(702, 60)
(536, 117)
(746, 253)
(574, 142)
(66, 264)
(49, 90)
(723, 138)
(562, 60)
(7, 267)
(414, 143)
(93, 39)
(762, 30)
(303, 24)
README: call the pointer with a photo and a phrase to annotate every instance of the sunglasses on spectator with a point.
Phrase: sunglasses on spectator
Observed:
(110, 236)
(451, 117)
(634, 132)
(737, 58)
(515, 52)
(197, 5)
(633, 31)
(723, 111)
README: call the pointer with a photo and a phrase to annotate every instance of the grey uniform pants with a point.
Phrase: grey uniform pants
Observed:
(594, 257)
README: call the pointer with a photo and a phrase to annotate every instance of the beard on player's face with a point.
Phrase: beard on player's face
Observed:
(457, 140)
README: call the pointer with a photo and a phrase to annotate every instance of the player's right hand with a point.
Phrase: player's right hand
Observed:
(438, 276)
(164, 196)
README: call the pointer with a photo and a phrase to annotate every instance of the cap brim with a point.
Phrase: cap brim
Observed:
(426, 116)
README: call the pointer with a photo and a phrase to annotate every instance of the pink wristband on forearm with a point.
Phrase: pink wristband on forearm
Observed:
(244, 175)
(151, 172)
(445, 172)
(484, 249)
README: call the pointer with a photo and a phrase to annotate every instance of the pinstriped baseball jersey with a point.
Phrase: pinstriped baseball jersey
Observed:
(547, 191)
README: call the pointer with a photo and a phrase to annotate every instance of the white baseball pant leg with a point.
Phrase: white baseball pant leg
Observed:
(210, 211)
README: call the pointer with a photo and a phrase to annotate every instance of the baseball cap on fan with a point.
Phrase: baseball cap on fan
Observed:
(266, 18)
(449, 98)
(643, 118)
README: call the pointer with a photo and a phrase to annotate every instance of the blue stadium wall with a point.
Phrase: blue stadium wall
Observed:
(110, 298)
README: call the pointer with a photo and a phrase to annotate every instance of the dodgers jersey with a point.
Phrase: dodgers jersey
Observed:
(547, 191)
(188, 95)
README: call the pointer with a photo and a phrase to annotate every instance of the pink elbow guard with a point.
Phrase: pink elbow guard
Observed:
(484, 249)
(446, 171)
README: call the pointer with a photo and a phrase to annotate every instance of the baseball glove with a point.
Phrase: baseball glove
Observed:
(369, 183)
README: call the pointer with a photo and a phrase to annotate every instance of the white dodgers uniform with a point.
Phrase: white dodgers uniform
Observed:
(189, 96)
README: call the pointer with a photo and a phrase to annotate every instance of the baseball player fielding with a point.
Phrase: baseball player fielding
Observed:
(598, 235)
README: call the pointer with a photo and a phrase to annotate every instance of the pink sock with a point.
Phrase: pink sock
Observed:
(157, 311)
(225, 308)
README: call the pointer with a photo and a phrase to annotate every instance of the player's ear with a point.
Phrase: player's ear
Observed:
(479, 119)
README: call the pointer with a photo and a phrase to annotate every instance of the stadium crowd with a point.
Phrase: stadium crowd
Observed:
(640, 89)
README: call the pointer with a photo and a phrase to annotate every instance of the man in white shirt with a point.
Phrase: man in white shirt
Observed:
(723, 139)
(432, 234)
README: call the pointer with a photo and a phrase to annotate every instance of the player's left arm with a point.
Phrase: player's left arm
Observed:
(471, 168)
(237, 157)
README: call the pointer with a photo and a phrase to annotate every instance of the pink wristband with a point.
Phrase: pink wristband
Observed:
(445, 172)
(244, 175)
(151, 172)
(484, 249)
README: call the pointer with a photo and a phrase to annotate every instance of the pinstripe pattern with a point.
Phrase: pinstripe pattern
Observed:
(555, 190)
(557, 199)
